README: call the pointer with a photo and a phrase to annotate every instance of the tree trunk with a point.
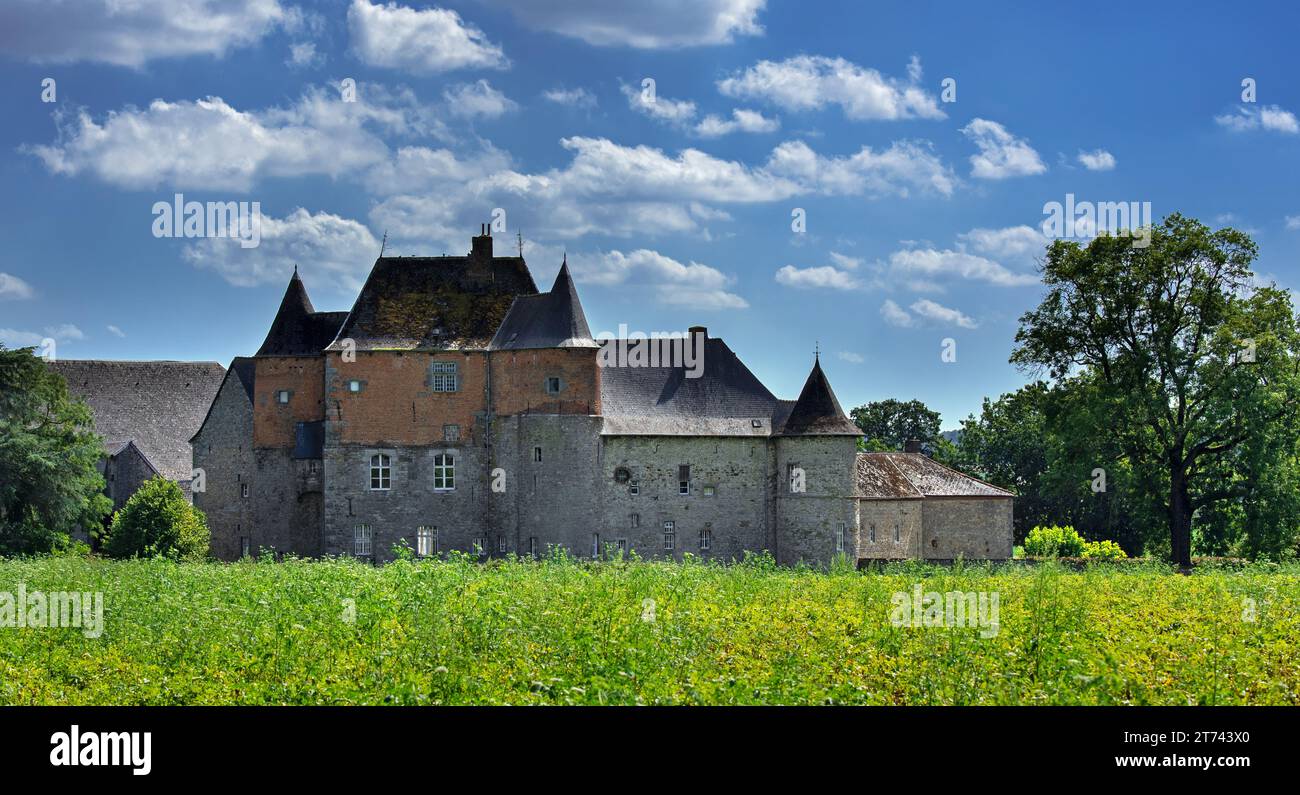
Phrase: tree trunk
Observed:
(1180, 518)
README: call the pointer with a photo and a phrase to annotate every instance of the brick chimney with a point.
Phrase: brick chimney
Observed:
(912, 446)
(481, 245)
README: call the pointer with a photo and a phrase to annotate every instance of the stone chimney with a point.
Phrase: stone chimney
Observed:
(912, 446)
(481, 245)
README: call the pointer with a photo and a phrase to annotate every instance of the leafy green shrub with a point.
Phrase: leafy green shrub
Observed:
(1054, 542)
(158, 522)
(1103, 550)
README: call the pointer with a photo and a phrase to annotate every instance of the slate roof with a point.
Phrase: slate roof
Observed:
(817, 411)
(548, 320)
(914, 476)
(662, 401)
(245, 369)
(437, 303)
(157, 405)
(298, 329)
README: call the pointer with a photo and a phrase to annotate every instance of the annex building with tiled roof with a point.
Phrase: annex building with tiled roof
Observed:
(456, 407)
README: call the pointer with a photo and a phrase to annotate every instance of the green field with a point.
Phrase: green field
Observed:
(565, 632)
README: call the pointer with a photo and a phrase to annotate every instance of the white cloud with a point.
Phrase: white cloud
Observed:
(822, 277)
(1001, 154)
(671, 282)
(931, 311)
(658, 107)
(1097, 160)
(571, 97)
(477, 100)
(1014, 242)
(903, 167)
(1293, 223)
(331, 251)
(929, 264)
(741, 120)
(845, 261)
(16, 338)
(14, 287)
(303, 55)
(115, 331)
(645, 24)
(850, 357)
(1268, 117)
(133, 33)
(209, 144)
(811, 82)
(415, 168)
(895, 315)
(424, 42)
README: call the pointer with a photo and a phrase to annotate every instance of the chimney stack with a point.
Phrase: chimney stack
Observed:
(912, 446)
(481, 246)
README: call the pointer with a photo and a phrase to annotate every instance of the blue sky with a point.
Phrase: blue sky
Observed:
(923, 216)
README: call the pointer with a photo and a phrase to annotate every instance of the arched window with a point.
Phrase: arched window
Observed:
(380, 472)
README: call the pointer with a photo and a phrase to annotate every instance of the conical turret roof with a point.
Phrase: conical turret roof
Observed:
(817, 412)
(549, 320)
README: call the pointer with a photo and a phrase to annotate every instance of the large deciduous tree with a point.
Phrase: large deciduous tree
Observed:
(49, 483)
(1193, 362)
(889, 424)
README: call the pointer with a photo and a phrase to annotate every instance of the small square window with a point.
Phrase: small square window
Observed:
(354, 385)
(282, 396)
(708, 491)
(451, 433)
(552, 385)
(756, 423)
(634, 487)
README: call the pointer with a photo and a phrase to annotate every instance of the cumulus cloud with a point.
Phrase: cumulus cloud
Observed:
(429, 41)
(671, 282)
(1001, 154)
(650, 103)
(895, 315)
(903, 167)
(209, 144)
(303, 55)
(1010, 243)
(1097, 160)
(330, 250)
(941, 314)
(646, 24)
(1269, 117)
(850, 357)
(115, 331)
(811, 82)
(14, 288)
(929, 264)
(845, 261)
(133, 33)
(741, 120)
(571, 97)
(822, 277)
(477, 100)
(17, 338)
(1293, 223)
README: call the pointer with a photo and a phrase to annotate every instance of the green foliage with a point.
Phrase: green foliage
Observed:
(49, 483)
(1103, 550)
(1054, 541)
(889, 424)
(158, 522)
(563, 631)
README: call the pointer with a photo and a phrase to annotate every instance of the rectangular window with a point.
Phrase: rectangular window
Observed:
(841, 534)
(684, 479)
(245, 547)
(706, 539)
(620, 544)
(634, 488)
(708, 491)
(282, 396)
(443, 377)
(501, 545)
(872, 535)
(451, 433)
(354, 385)
(552, 386)
(380, 472)
(595, 545)
(898, 536)
(537, 454)
(426, 541)
(361, 540)
(444, 472)
(480, 545)
(533, 546)
(243, 489)
(670, 541)
(636, 520)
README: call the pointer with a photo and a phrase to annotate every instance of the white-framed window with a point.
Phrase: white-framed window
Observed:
(537, 455)
(443, 377)
(243, 489)
(670, 536)
(706, 539)
(380, 472)
(634, 487)
(707, 491)
(361, 540)
(552, 385)
(636, 520)
(245, 547)
(354, 385)
(426, 541)
(502, 548)
(595, 545)
(684, 479)
(451, 433)
(282, 396)
(444, 472)
(480, 545)
(841, 534)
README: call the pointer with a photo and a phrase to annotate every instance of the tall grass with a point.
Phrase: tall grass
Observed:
(560, 631)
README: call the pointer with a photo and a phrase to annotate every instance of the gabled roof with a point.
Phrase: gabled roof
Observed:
(438, 303)
(548, 320)
(243, 368)
(298, 329)
(725, 400)
(913, 475)
(157, 405)
(817, 411)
